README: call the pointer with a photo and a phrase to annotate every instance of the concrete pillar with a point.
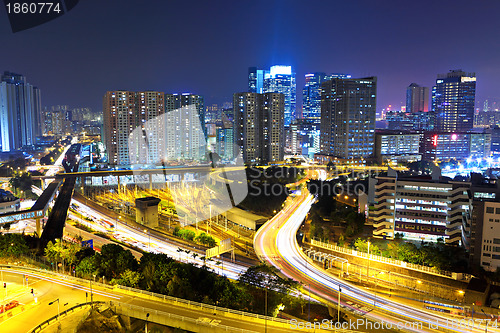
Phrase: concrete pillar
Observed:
(38, 228)
(126, 321)
(150, 181)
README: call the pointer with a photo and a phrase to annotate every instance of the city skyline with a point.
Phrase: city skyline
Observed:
(284, 39)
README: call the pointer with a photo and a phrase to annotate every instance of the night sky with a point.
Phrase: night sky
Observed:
(206, 47)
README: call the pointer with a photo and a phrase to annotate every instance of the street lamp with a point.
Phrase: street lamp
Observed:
(376, 283)
(146, 328)
(486, 327)
(58, 310)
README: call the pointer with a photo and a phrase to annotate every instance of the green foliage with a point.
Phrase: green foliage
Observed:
(186, 234)
(114, 260)
(60, 251)
(88, 266)
(205, 239)
(13, 245)
(22, 182)
(128, 278)
(262, 279)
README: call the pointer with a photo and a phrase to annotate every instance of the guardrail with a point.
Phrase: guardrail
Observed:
(50, 321)
(395, 262)
(159, 297)
(139, 312)
(202, 305)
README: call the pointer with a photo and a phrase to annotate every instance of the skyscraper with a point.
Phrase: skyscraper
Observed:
(259, 126)
(20, 112)
(311, 94)
(120, 120)
(348, 117)
(185, 127)
(278, 79)
(453, 99)
(151, 127)
(417, 98)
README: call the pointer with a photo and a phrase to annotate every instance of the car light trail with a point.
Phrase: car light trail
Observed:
(276, 243)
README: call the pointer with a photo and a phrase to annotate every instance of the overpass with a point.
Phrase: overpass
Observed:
(162, 309)
(38, 210)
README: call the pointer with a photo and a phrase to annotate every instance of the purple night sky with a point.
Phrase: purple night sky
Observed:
(206, 47)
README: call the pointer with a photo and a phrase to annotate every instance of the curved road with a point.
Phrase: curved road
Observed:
(276, 243)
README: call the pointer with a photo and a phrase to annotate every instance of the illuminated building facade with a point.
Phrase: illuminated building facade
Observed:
(417, 98)
(150, 127)
(348, 117)
(20, 112)
(119, 114)
(397, 146)
(278, 79)
(459, 146)
(453, 99)
(259, 126)
(420, 208)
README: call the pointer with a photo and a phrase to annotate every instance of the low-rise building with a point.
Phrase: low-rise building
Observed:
(397, 146)
(425, 208)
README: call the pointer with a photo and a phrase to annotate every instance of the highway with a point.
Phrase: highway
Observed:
(276, 243)
(49, 286)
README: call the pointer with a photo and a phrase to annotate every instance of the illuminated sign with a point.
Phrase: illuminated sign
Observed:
(468, 79)
(435, 140)
(454, 137)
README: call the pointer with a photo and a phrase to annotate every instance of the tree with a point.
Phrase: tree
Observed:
(88, 266)
(128, 278)
(114, 260)
(13, 245)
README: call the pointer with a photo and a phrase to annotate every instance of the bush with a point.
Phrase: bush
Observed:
(205, 239)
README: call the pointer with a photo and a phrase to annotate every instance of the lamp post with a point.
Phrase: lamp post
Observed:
(486, 327)
(58, 309)
(376, 283)
(146, 328)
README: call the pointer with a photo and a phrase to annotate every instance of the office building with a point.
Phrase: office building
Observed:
(20, 112)
(278, 79)
(259, 126)
(453, 99)
(225, 140)
(397, 146)
(444, 146)
(311, 94)
(348, 117)
(420, 208)
(417, 98)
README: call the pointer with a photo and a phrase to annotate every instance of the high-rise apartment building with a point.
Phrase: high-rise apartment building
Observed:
(348, 117)
(120, 120)
(278, 79)
(259, 126)
(151, 127)
(453, 99)
(20, 112)
(186, 136)
(417, 98)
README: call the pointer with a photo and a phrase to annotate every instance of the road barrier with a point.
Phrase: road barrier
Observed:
(390, 261)
(51, 320)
